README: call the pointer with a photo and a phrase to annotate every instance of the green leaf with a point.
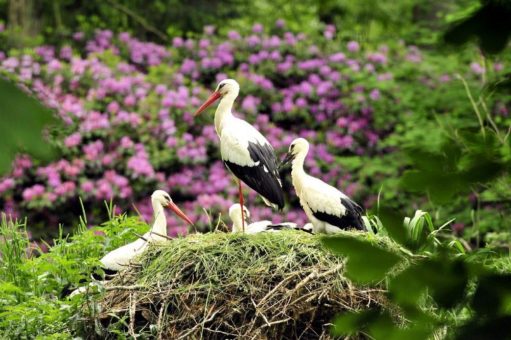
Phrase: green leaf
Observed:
(352, 322)
(489, 25)
(22, 120)
(444, 278)
(493, 295)
(393, 222)
(367, 262)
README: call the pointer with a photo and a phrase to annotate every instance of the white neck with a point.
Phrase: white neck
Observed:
(297, 163)
(223, 110)
(298, 174)
(160, 221)
(237, 226)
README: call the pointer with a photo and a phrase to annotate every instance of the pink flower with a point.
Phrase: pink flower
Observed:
(476, 68)
(33, 192)
(78, 36)
(130, 100)
(209, 30)
(177, 42)
(87, 186)
(113, 107)
(374, 94)
(73, 140)
(257, 28)
(6, 184)
(233, 35)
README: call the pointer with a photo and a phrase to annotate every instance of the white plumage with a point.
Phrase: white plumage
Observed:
(244, 150)
(120, 258)
(255, 227)
(328, 209)
(235, 136)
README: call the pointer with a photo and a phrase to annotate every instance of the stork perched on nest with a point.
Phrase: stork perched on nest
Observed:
(328, 209)
(122, 257)
(259, 226)
(244, 150)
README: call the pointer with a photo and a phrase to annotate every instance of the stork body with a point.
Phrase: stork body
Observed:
(255, 227)
(120, 258)
(328, 209)
(244, 150)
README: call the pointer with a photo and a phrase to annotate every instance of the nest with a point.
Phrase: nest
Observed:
(217, 286)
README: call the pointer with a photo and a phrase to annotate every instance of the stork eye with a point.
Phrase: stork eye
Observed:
(221, 85)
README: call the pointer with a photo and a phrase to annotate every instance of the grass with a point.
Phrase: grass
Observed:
(32, 282)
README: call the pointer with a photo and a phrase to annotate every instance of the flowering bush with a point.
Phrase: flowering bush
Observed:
(127, 107)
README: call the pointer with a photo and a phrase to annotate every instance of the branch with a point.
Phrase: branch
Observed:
(134, 287)
(139, 19)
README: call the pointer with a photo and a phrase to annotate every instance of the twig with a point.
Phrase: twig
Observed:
(142, 21)
(134, 287)
(315, 275)
(132, 309)
(199, 324)
(271, 292)
(217, 331)
(161, 235)
(140, 236)
(160, 318)
(276, 322)
(259, 312)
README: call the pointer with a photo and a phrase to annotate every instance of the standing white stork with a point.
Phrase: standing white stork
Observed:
(328, 209)
(259, 226)
(120, 258)
(244, 150)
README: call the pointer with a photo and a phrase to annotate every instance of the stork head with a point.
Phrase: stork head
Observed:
(227, 87)
(162, 198)
(235, 215)
(299, 146)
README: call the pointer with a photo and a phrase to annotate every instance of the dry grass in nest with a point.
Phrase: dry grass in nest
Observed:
(218, 285)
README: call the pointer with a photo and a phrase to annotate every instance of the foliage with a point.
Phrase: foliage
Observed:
(56, 21)
(22, 121)
(436, 285)
(488, 24)
(34, 279)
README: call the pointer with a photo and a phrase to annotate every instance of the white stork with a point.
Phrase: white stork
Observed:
(244, 150)
(328, 209)
(120, 258)
(256, 227)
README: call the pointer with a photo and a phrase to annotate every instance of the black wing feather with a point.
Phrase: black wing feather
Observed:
(278, 226)
(352, 219)
(265, 183)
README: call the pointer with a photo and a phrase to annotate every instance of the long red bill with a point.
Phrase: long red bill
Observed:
(213, 98)
(179, 213)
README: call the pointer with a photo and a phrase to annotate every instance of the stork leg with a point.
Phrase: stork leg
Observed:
(241, 204)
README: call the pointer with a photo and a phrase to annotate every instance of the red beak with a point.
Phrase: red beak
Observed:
(213, 98)
(179, 213)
